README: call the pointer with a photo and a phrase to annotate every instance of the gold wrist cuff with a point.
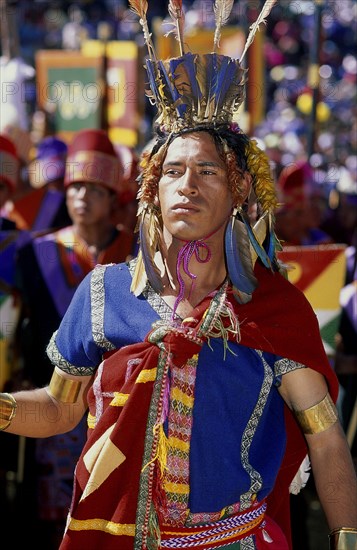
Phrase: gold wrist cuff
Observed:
(62, 389)
(8, 408)
(344, 538)
(319, 417)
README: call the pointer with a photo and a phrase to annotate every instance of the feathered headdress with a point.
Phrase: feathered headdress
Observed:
(195, 89)
(203, 90)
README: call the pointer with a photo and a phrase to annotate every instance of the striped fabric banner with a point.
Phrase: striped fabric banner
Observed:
(319, 271)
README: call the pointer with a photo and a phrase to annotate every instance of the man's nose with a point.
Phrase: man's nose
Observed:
(188, 183)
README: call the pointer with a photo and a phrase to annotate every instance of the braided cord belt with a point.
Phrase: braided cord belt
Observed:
(212, 535)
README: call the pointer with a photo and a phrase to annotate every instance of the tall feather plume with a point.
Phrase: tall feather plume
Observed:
(140, 7)
(255, 27)
(177, 14)
(222, 10)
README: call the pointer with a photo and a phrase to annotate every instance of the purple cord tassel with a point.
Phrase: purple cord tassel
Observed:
(183, 258)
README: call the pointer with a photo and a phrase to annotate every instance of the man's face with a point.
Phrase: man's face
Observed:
(194, 195)
(89, 203)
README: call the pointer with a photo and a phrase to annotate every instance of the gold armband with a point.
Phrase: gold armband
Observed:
(319, 417)
(344, 538)
(8, 408)
(63, 389)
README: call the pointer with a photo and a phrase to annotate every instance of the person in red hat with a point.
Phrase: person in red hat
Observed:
(299, 215)
(51, 268)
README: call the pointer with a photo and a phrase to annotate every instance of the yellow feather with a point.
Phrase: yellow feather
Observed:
(139, 277)
(260, 230)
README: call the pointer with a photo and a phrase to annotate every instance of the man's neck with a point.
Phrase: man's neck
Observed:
(208, 276)
(97, 237)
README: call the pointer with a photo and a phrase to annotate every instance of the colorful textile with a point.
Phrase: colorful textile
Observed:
(264, 324)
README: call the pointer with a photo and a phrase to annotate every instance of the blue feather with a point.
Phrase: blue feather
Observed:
(170, 88)
(211, 78)
(225, 78)
(189, 63)
(151, 70)
(239, 263)
(271, 245)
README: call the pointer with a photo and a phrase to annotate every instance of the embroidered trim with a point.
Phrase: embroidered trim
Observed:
(145, 506)
(97, 308)
(229, 528)
(98, 392)
(248, 435)
(283, 366)
(176, 475)
(59, 361)
(155, 300)
(248, 544)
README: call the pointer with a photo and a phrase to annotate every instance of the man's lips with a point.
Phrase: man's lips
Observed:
(185, 207)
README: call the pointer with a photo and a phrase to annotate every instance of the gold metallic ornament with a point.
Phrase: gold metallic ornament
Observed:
(62, 389)
(319, 417)
(344, 538)
(8, 408)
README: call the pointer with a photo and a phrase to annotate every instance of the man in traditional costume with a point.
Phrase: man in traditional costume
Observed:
(201, 364)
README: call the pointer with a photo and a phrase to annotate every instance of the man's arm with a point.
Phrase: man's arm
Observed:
(331, 460)
(44, 412)
(334, 476)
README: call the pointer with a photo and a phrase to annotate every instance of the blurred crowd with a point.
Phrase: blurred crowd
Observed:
(57, 224)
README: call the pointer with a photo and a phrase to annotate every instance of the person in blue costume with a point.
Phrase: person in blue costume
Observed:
(50, 268)
(200, 365)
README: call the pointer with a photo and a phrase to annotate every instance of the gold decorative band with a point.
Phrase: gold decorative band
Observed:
(8, 408)
(344, 538)
(319, 417)
(63, 389)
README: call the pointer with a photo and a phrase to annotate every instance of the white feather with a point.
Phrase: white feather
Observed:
(301, 477)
